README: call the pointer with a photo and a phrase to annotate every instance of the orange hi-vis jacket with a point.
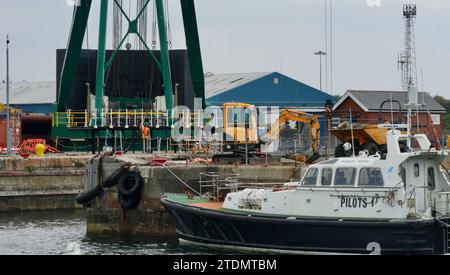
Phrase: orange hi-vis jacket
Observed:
(145, 132)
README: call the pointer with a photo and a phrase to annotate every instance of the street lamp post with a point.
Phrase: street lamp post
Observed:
(320, 54)
(8, 126)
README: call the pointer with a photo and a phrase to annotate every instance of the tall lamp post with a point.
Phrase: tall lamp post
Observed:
(320, 54)
(8, 126)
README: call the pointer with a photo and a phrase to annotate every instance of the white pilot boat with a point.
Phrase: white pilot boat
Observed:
(392, 203)
(397, 203)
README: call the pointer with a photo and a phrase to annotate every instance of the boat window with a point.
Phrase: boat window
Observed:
(345, 176)
(327, 176)
(431, 179)
(370, 177)
(416, 170)
(403, 174)
(311, 177)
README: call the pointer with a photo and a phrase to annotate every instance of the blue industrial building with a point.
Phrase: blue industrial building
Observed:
(264, 89)
(35, 98)
(267, 89)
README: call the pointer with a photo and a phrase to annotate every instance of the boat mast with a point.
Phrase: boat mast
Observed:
(408, 64)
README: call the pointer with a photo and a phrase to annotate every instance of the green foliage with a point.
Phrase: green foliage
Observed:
(446, 117)
(30, 169)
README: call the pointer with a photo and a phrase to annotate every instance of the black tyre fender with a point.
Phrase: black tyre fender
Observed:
(339, 151)
(88, 196)
(130, 183)
(114, 178)
(129, 202)
(372, 148)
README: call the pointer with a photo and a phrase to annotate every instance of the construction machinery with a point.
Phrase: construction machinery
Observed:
(370, 137)
(241, 129)
(290, 115)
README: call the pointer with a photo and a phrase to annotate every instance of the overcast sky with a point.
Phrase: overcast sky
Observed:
(260, 35)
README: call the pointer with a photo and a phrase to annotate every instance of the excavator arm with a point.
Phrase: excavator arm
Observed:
(289, 115)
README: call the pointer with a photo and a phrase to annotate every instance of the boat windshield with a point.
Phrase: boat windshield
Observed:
(370, 177)
(345, 177)
(311, 177)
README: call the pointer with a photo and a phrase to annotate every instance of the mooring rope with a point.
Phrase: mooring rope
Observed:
(184, 183)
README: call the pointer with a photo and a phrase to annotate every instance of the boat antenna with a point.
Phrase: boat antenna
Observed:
(392, 109)
(351, 129)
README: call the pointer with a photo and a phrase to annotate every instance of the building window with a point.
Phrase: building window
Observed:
(345, 177)
(311, 177)
(276, 81)
(370, 177)
(327, 176)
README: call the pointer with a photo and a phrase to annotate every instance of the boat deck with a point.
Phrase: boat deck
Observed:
(200, 202)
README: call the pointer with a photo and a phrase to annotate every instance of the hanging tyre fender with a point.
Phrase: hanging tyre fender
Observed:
(114, 178)
(88, 196)
(129, 202)
(130, 183)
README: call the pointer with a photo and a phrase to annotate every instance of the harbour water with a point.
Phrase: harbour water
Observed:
(64, 233)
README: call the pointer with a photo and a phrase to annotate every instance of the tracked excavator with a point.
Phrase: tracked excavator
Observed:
(244, 132)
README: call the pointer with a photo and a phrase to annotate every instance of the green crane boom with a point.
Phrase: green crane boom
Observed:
(79, 25)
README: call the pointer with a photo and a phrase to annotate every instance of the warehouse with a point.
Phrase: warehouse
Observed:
(364, 107)
(264, 89)
(270, 89)
(35, 100)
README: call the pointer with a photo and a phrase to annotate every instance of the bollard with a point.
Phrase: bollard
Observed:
(40, 150)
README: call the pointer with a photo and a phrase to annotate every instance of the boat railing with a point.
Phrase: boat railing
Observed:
(441, 205)
(213, 184)
(216, 185)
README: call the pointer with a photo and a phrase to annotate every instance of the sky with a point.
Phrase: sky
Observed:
(261, 36)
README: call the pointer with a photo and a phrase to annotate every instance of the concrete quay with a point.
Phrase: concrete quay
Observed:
(106, 216)
(46, 183)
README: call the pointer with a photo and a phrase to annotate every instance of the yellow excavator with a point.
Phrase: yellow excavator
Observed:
(240, 128)
(290, 115)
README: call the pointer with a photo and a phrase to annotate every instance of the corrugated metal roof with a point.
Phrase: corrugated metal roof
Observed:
(371, 100)
(216, 84)
(39, 92)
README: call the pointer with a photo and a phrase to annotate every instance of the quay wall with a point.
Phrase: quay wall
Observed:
(46, 183)
(105, 215)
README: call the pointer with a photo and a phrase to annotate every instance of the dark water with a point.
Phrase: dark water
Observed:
(64, 233)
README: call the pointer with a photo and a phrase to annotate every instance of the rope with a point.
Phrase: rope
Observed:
(154, 26)
(168, 29)
(185, 184)
(69, 147)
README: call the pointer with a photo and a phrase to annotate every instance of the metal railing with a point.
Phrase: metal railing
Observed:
(109, 118)
(212, 184)
(441, 204)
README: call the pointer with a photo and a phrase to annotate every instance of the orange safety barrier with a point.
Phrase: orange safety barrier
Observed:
(29, 146)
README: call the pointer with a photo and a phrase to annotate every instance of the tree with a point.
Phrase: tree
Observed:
(446, 117)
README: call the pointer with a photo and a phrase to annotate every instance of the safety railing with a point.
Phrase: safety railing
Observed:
(109, 118)
(213, 184)
(441, 204)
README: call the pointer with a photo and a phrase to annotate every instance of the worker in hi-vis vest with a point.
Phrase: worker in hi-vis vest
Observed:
(146, 139)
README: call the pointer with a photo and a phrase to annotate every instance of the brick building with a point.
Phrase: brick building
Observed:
(365, 109)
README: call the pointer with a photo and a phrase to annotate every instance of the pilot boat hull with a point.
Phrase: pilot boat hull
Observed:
(215, 227)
